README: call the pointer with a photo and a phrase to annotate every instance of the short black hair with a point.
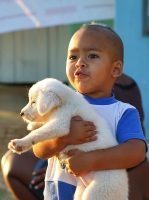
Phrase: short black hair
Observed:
(112, 37)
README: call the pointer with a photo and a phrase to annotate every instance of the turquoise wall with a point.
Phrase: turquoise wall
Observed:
(129, 24)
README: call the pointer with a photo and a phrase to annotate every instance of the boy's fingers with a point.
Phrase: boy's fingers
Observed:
(70, 153)
(77, 118)
(69, 171)
(87, 123)
(91, 133)
(90, 128)
(90, 139)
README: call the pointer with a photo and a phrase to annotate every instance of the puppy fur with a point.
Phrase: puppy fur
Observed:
(48, 114)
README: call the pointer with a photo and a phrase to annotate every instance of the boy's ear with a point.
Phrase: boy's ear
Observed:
(117, 69)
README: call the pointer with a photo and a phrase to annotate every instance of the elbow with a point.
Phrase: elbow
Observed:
(137, 152)
(36, 153)
(141, 157)
(142, 152)
(39, 153)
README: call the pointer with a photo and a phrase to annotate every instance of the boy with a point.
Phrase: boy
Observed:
(94, 62)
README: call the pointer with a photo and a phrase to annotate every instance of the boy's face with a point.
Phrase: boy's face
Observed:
(89, 66)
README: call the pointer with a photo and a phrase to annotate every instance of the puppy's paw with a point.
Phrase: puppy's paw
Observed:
(19, 146)
(62, 157)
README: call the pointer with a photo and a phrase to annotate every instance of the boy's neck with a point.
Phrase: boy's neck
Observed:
(100, 101)
(99, 95)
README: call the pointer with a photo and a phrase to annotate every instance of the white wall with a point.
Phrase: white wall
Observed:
(31, 55)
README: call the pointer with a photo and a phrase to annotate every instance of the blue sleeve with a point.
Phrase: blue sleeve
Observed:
(129, 127)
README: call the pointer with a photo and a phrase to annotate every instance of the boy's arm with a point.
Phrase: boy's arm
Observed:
(48, 148)
(122, 156)
(80, 132)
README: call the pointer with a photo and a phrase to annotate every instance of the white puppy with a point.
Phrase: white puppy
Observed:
(49, 111)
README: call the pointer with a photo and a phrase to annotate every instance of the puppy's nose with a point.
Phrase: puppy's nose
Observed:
(21, 113)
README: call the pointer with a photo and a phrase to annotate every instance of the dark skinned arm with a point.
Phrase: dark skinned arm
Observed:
(80, 132)
(122, 156)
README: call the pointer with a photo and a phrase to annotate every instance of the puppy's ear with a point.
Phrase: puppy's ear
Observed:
(47, 101)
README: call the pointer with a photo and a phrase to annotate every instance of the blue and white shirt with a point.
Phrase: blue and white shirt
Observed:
(124, 121)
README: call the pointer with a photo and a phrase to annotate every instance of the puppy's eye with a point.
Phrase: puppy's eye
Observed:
(33, 102)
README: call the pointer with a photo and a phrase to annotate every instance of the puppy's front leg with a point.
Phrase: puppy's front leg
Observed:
(19, 145)
(34, 125)
(53, 129)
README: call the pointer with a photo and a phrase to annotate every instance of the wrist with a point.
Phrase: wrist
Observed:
(62, 141)
(93, 161)
(67, 140)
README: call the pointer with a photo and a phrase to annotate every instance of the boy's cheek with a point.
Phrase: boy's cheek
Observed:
(68, 72)
(70, 75)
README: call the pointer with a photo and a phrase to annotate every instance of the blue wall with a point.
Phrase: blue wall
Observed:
(129, 25)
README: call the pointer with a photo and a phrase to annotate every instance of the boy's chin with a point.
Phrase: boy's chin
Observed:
(82, 88)
(82, 91)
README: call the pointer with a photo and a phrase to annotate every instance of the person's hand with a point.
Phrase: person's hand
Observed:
(78, 162)
(39, 180)
(81, 131)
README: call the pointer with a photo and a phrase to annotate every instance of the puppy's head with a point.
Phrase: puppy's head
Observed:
(41, 102)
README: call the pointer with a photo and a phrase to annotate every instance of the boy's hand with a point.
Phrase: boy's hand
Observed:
(122, 156)
(78, 162)
(81, 131)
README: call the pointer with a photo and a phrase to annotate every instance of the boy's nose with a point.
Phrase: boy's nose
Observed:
(80, 63)
(80, 66)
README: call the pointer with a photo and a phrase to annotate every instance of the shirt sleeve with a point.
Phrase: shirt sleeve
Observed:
(129, 127)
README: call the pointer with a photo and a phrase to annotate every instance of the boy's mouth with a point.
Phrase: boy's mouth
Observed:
(80, 73)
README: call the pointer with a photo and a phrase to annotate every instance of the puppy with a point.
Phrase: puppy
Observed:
(48, 114)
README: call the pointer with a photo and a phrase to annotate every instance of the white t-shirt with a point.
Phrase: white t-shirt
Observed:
(123, 120)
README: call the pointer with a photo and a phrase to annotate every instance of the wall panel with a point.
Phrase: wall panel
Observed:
(31, 55)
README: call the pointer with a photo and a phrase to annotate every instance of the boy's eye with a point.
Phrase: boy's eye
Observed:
(72, 57)
(93, 56)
